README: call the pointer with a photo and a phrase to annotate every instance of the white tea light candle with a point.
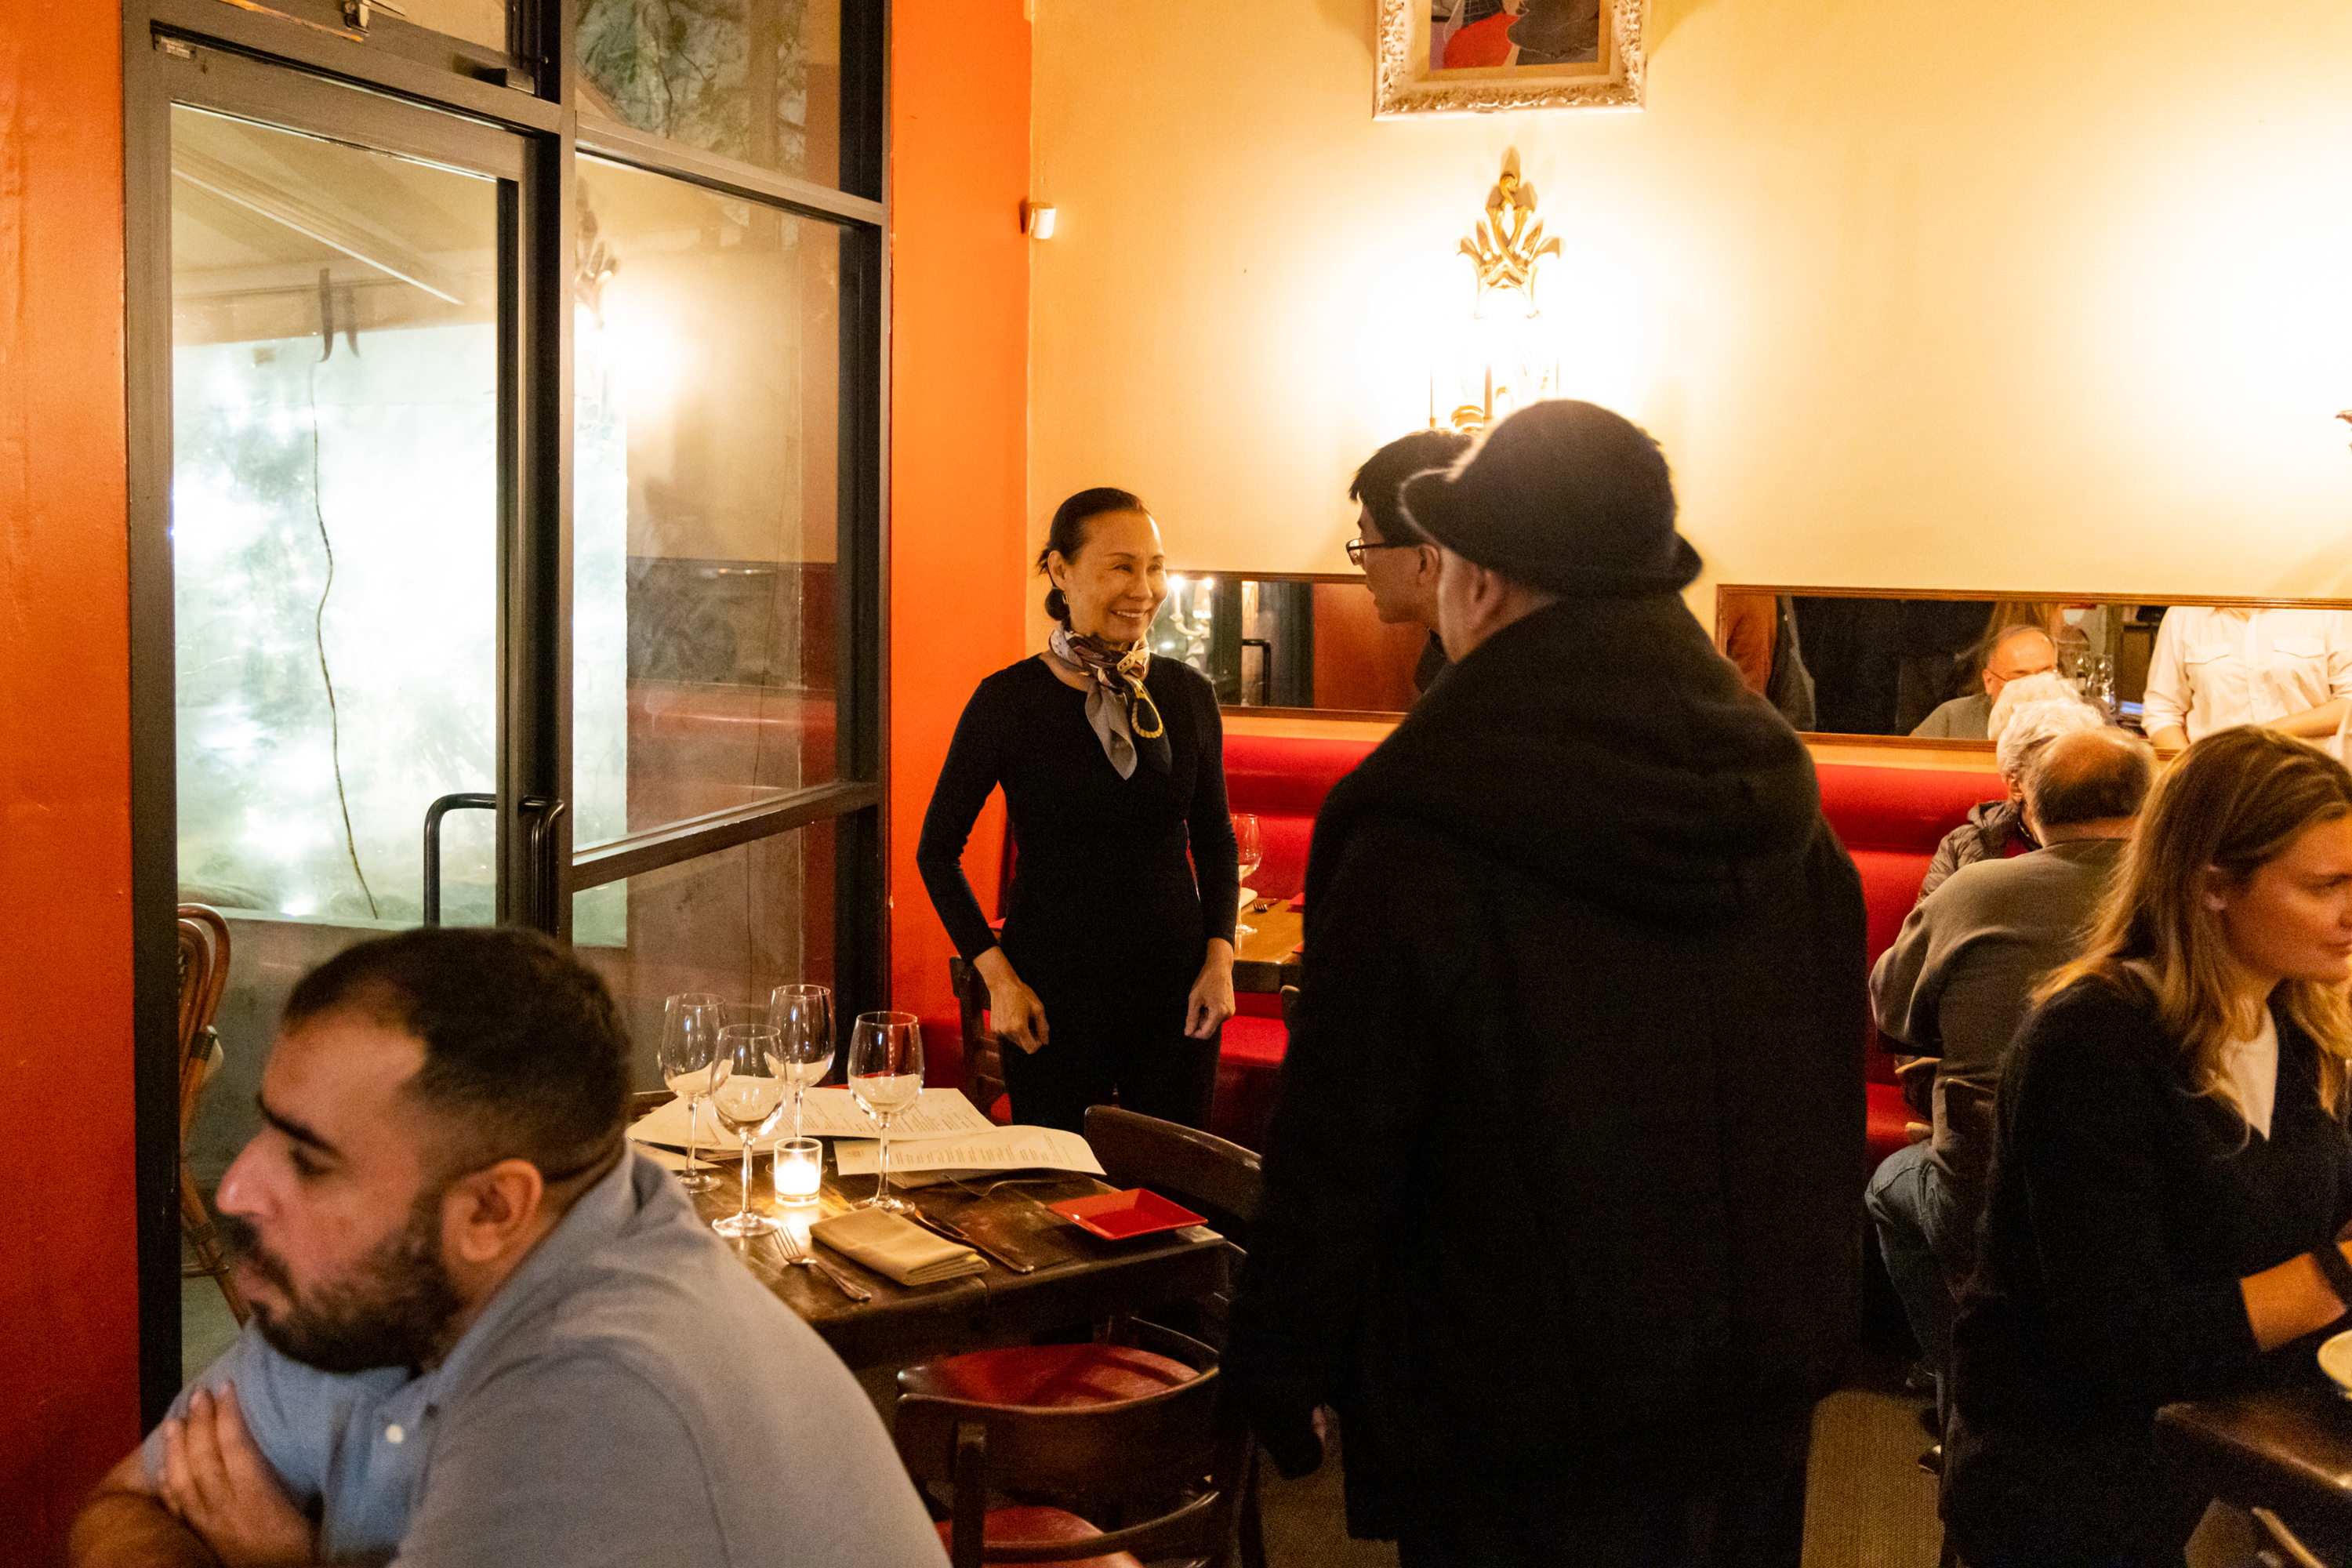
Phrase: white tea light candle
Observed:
(800, 1166)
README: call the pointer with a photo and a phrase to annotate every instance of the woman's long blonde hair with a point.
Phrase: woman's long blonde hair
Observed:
(2233, 803)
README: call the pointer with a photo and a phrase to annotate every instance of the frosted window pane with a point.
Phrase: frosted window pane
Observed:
(705, 460)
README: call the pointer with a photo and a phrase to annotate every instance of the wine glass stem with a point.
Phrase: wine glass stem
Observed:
(693, 1132)
(882, 1170)
(744, 1210)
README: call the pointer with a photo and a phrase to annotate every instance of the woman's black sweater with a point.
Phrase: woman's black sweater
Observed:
(2123, 1212)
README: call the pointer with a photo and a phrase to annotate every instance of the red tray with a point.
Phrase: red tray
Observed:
(1114, 1216)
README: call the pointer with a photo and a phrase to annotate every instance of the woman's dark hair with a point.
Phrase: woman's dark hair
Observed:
(1068, 534)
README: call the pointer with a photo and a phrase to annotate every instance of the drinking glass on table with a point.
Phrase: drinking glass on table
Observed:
(748, 1096)
(689, 1049)
(1246, 843)
(803, 1015)
(885, 1074)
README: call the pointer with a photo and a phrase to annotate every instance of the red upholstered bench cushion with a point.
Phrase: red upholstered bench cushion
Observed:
(1032, 1526)
(1886, 1119)
(1047, 1376)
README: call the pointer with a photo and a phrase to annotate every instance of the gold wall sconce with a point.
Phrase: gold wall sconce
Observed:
(1502, 358)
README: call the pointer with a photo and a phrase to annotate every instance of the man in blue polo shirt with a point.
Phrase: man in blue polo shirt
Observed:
(483, 1330)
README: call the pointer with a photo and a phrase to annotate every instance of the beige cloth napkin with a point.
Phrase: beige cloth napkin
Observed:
(899, 1248)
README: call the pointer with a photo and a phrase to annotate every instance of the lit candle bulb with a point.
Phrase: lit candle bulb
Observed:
(800, 1166)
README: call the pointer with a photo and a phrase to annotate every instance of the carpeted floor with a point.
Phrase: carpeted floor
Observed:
(1868, 1502)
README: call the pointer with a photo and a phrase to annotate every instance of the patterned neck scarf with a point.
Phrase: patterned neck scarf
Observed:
(1124, 717)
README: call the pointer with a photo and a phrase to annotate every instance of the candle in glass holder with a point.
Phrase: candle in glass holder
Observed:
(800, 1166)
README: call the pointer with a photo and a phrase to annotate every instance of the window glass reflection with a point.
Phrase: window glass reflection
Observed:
(334, 508)
(705, 452)
(740, 923)
(754, 80)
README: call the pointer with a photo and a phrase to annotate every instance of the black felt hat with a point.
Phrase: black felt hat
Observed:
(1563, 496)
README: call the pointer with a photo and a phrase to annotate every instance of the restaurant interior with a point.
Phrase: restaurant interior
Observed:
(674, 444)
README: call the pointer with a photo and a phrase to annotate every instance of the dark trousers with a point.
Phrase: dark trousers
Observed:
(1752, 1515)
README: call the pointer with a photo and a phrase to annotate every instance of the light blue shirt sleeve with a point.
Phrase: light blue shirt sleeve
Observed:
(272, 1404)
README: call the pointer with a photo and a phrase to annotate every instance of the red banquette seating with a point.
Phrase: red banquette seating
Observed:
(1889, 818)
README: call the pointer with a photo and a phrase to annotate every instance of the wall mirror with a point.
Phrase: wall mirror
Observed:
(1905, 665)
(1297, 644)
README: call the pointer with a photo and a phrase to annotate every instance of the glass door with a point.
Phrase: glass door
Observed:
(343, 519)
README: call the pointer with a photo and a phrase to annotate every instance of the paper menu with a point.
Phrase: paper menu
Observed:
(829, 1113)
(998, 1148)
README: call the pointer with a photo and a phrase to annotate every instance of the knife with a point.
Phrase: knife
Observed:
(956, 1233)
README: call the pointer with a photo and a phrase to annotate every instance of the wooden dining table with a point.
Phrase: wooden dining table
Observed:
(2286, 1449)
(1268, 958)
(1077, 1277)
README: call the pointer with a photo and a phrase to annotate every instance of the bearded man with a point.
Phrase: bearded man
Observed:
(484, 1330)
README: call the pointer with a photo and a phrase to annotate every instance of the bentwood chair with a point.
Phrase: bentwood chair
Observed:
(1159, 1469)
(204, 977)
(1217, 1179)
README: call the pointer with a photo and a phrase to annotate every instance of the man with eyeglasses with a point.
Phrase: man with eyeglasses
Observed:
(1398, 560)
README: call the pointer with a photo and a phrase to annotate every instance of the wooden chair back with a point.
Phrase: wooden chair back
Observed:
(204, 979)
(1200, 1170)
(983, 1054)
(1179, 1453)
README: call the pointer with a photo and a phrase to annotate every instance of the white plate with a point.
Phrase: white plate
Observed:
(2336, 1360)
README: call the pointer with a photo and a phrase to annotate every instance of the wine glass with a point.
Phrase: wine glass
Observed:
(748, 1096)
(803, 1015)
(1247, 847)
(885, 1074)
(689, 1048)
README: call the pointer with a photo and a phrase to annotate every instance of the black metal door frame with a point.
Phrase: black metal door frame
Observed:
(513, 117)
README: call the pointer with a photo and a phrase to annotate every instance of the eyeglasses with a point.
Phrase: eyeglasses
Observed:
(1356, 548)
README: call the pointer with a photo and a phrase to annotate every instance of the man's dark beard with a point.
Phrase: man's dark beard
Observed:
(391, 1310)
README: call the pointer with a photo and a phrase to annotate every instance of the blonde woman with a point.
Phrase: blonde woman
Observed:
(2171, 1170)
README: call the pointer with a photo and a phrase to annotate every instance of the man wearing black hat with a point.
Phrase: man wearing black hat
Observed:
(1562, 1192)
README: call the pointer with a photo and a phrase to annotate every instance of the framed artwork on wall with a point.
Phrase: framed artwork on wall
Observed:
(1478, 57)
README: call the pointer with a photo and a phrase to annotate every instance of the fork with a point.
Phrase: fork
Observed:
(789, 1245)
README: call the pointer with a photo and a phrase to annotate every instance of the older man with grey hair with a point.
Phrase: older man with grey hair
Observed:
(1956, 983)
(2030, 711)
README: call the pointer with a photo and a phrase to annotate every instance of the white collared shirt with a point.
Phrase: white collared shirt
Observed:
(2212, 670)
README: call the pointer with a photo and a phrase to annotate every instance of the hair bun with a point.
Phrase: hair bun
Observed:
(1058, 606)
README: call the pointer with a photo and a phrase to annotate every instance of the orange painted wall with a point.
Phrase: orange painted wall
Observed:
(68, 1321)
(958, 428)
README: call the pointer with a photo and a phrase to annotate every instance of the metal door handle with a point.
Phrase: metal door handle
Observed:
(433, 816)
(542, 815)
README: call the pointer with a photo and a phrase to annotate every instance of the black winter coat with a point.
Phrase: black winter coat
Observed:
(1562, 1187)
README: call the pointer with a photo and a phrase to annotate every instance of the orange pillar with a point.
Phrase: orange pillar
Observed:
(68, 1318)
(958, 425)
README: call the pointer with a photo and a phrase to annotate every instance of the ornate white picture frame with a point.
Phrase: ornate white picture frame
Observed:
(1501, 54)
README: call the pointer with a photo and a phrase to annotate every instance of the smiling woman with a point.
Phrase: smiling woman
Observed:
(1114, 971)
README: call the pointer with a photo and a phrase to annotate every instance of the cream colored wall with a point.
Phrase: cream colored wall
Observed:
(1950, 294)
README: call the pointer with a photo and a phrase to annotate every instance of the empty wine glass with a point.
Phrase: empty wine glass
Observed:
(885, 1074)
(748, 1096)
(1247, 847)
(803, 1015)
(690, 1046)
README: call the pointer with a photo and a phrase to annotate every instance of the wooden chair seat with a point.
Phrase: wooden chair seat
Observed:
(1169, 1465)
(1048, 1377)
(1011, 1529)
